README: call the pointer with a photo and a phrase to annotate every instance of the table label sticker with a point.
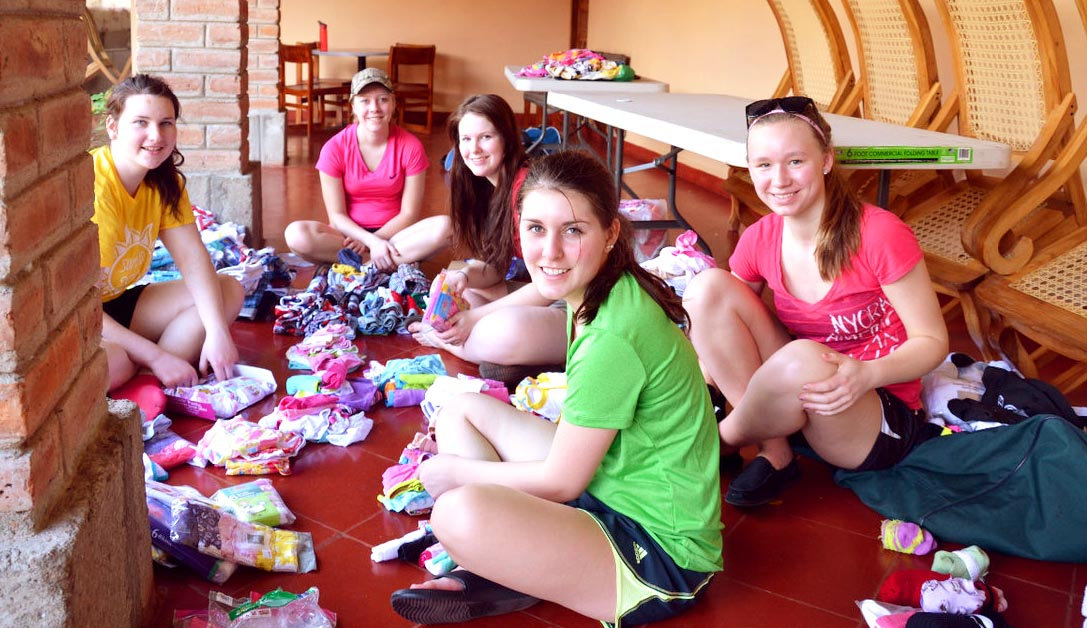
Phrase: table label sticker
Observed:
(951, 155)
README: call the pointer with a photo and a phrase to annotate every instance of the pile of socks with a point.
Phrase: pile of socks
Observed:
(950, 594)
(362, 297)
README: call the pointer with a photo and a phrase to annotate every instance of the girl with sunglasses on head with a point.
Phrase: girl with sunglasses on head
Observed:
(856, 322)
(501, 328)
(373, 174)
(626, 485)
(139, 195)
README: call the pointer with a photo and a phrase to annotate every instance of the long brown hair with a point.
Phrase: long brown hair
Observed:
(166, 179)
(575, 171)
(839, 234)
(482, 213)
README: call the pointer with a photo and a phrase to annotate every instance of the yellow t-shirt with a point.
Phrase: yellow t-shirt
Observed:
(127, 226)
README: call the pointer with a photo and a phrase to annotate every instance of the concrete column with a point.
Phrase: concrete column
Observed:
(267, 124)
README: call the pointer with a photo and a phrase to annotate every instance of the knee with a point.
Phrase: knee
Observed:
(452, 419)
(710, 292)
(455, 518)
(233, 294)
(442, 229)
(800, 362)
(298, 237)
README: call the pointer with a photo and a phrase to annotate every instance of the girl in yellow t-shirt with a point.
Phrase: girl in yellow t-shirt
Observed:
(139, 195)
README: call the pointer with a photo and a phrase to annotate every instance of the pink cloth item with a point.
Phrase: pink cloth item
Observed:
(238, 439)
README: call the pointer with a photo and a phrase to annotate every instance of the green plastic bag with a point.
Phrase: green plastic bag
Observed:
(1019, 489)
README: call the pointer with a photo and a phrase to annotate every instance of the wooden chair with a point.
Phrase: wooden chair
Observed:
(1013, 86)
(413, 95)
(100, 60)
(898, 84)
(818, 67)
(309, 90)
(1039, 312)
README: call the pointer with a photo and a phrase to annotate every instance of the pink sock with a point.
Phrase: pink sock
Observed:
(898, 620)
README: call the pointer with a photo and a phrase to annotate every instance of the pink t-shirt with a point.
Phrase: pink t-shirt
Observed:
(373, 197)
(855, 317)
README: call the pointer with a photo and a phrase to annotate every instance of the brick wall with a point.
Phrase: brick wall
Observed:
(263, 54)
(52, 371)
(200, 47)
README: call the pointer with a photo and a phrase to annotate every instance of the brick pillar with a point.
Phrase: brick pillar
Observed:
(67, 530)
(200, 48)
(267, 124)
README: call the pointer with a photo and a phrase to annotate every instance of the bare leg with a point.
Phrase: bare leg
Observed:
(513, 335)
(313, 240)
(476, 426)
(771, 408)
(121, 367)
(469, 518)
(320, 242)
(734, 334)
(167, 315)
(419, 241)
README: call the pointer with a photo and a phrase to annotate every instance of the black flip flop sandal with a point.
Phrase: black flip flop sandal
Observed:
(479, 598)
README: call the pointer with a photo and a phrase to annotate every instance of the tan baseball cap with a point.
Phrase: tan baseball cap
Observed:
(369, 76)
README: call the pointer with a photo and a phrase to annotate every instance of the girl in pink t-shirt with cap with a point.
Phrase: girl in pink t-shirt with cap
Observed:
(855, 323)
(372, 181)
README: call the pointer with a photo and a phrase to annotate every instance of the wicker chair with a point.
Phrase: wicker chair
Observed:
(1013, 87)
(898, 85)
(818, 67)
(1041, 312)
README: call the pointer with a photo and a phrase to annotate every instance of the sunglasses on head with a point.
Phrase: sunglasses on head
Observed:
(789, 104)
(799, 106)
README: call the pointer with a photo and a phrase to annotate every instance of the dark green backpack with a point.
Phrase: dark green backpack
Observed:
(1019, 489)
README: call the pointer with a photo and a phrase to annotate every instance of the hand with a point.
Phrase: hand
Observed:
(438, 474)
(838, 392)
(457, 280)
(381, 254)
(354, 245)
(220, 354)
(458, 327)
(172, 371)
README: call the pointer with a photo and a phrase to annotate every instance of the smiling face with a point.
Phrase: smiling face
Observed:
(374, 107)
(145, 133)
(563, 243)
(787, 162)
(480, 146)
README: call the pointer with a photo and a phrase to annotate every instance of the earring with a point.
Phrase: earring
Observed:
(826, 172)
(609, 247)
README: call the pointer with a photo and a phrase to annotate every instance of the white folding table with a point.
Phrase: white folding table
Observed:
(546, 85)
(714, 125)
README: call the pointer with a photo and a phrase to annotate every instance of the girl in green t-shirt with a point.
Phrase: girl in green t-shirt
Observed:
(626, 485)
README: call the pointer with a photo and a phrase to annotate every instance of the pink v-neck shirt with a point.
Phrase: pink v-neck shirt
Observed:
(855, 317)
(373, 197)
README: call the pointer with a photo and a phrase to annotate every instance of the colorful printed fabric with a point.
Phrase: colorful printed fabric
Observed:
(226, 398)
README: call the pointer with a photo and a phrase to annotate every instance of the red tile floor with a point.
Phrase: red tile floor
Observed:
(799, 562)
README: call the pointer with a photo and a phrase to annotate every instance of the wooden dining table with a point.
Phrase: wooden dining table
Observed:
(359, 53)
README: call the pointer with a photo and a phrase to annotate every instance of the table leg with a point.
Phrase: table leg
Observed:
(884, 190)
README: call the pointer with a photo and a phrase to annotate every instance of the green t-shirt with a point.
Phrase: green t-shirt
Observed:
(634, 371)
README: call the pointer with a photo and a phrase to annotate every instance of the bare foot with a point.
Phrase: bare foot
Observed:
(424, 335)
(441, 584)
